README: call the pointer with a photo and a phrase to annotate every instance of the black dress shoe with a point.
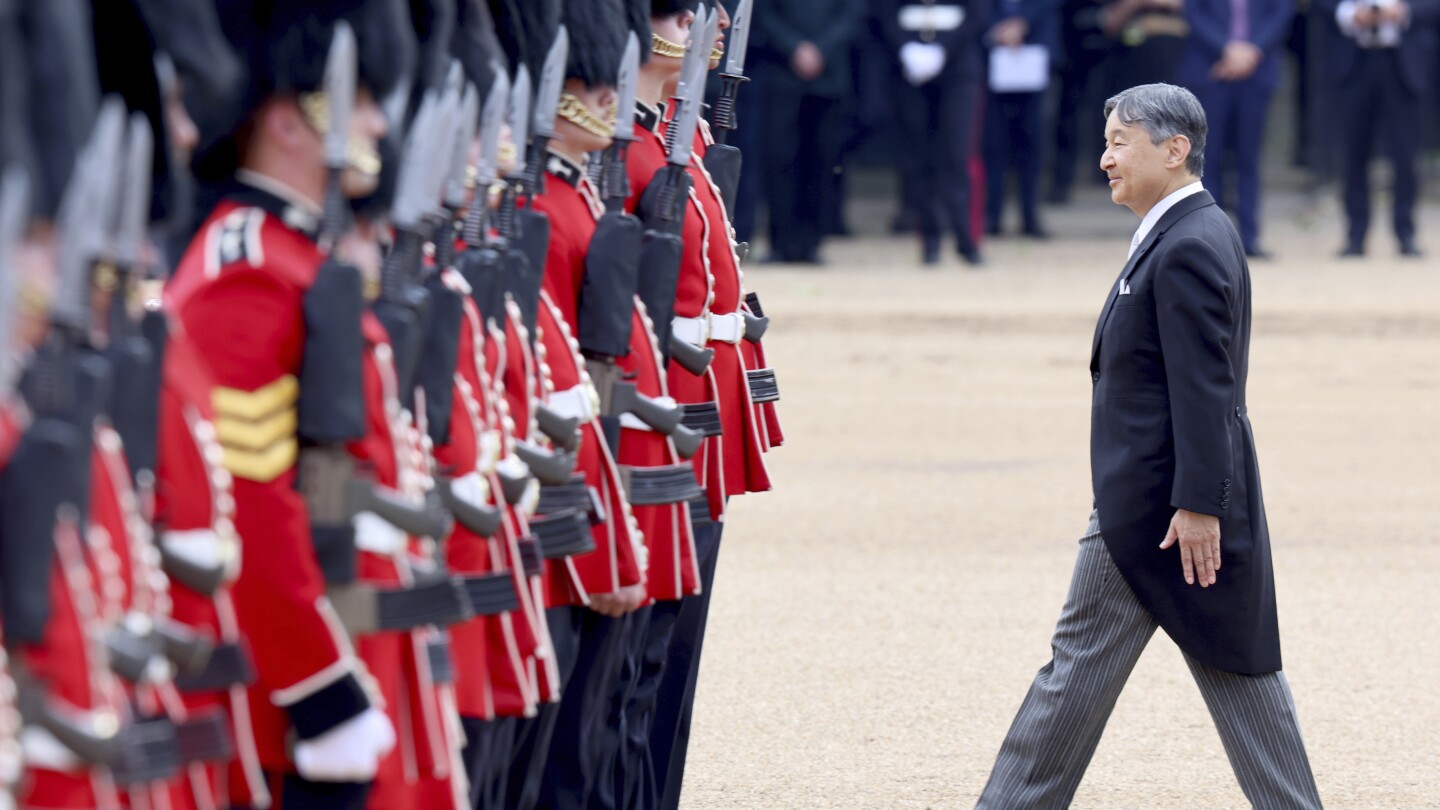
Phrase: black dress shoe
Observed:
(972, 256)
(1259, 253)
(1410, 250)
(930, 251)
(1351, 251)
(1035, 232)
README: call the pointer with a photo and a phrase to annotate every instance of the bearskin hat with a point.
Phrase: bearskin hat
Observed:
(189, 33)
(284, 45)
(525, 29)
(597, 40)
(668, 8)
(637, 18)
(475, 45)
(56, 92)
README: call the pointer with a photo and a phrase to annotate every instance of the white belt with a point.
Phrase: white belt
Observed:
(472, 488)
(931, 18)
(630, 420)
(729, 328)
(42, 750)
(377, 536)
(579, 402)
(488, 453)
(204, 548)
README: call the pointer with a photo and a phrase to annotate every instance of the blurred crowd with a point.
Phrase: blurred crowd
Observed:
(986, 106)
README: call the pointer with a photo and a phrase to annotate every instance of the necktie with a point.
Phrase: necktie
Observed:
(1134, 243)
(1240, 20)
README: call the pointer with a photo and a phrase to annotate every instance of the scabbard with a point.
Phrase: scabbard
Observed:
(149, 752)
(563, 534)
(702, 417)
(229, 665)
(762, 385)
(204, 738)
(752, 303)
(532, 559)
(442, 667)
(491, 594)
(656, 486)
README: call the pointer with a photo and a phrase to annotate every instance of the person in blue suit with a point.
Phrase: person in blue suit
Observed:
(1232, 64)
(1014, 120)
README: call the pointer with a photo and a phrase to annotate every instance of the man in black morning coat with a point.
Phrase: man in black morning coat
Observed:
(1178, 539)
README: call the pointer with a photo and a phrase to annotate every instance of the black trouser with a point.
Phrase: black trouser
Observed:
(636, 779)
(802, 149)
(937, 123)
(612, 765)
(675, 700)
(489, 745)
(580, 736)
(1012, 140)
(532, 737)
(1374, 98)
(298, 793)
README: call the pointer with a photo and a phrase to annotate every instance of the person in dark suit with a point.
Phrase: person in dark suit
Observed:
(1178, 538)
(1232, 63)
(1381, 69)
(936, 48)
(1013, 120)
(807, 44)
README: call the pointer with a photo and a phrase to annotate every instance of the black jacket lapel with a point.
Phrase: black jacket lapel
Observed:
(1192, 203)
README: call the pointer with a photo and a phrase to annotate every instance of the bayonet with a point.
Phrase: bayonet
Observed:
(457, 184)
(83, 214)
(340, 83)
(552, 80)
(614, 180)
(547, 102)
(487, 167)
(680, 136)
(14, 210)
(520, 119)
(134, 210)
(733, 74)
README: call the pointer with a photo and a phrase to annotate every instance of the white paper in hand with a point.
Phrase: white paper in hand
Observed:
(1022, 69)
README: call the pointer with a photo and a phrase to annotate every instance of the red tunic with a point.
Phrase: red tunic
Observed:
(238, 294)
(645, 157)
(195, 505)
(573, 209)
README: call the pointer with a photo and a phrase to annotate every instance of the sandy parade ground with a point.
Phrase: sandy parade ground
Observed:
(879, 617)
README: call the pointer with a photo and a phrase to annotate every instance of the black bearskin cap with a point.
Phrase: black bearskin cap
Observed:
(637, 18)
(189, 33)
(284, 44)
(667, 8)
(474, 44)
(525, 29)
(55, 89)
(597, 41)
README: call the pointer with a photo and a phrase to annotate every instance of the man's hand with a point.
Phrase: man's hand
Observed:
(617, 603)
(1397, 13)
(807, 61)
(1009, 32)
(1238, 61)
(1199, 537)
(1365, 16)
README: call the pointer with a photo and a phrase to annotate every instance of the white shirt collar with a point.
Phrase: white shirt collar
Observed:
(1153, 216)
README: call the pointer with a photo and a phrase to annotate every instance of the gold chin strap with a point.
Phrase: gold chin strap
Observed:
(716, 54)
(574, 111)
(664, 47)
(361, 156)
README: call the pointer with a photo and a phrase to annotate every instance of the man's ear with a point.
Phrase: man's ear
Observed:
(1177, 152)
(283, 122)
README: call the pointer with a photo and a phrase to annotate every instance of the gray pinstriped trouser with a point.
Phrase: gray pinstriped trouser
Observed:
(1101, 633)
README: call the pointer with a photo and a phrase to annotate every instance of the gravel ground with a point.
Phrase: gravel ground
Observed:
(878, 618)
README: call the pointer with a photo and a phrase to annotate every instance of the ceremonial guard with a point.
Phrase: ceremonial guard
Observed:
(240, 294)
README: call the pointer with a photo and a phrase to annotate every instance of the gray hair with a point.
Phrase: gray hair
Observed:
(1164, 111)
